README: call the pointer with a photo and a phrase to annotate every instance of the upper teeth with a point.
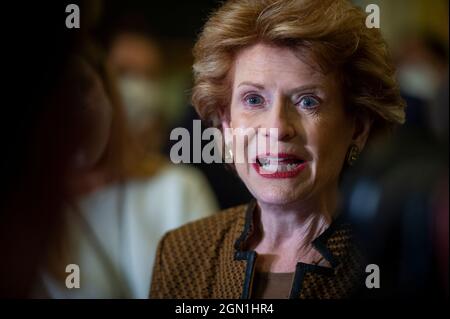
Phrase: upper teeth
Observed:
(273, 167)
(267, 160)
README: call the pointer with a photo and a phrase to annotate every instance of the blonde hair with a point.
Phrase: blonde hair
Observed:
(333, 32)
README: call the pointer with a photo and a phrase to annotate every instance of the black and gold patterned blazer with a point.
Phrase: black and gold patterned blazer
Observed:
(206, 259)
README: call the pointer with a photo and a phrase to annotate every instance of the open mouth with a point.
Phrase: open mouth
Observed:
(275, 164)
(285, 164)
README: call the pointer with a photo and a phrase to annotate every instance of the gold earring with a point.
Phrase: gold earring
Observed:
(352, 155)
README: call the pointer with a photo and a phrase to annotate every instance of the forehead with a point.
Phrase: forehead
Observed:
(275, 65)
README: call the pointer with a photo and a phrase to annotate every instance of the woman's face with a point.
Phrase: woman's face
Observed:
(273, 88)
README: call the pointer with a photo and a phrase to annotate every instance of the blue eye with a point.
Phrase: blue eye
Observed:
(308, 102)
(254, 100)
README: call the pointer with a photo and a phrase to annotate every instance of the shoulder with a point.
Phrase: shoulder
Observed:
(207, 231)
(178, 176)
(181, 174)
(186, 188)
(187, 256)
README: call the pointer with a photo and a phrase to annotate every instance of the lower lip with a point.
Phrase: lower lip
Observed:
(286, 174)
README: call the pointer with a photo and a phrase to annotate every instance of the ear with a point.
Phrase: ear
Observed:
(363, 124)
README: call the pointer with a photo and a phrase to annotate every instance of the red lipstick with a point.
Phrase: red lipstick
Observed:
(281, 165)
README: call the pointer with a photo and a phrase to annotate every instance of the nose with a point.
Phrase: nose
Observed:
(281, 118)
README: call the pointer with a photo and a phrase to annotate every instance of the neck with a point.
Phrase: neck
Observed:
(293, 225)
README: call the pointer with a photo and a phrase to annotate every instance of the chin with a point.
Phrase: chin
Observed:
(275, 195)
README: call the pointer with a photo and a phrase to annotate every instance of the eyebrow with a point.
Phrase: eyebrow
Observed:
(300, 88)
(256, 85)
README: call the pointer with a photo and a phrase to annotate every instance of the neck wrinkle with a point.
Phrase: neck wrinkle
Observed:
(278, 227)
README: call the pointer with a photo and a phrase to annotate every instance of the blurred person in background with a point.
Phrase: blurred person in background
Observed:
(398, 192)
(166, 195)
(138, 63)
(422, 60)
(126, 202)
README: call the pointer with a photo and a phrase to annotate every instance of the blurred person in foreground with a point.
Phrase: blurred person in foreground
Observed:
(313, 71)
(80, 240)
(53, 134)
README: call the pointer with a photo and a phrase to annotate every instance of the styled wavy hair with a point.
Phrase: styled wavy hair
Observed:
(332, 32)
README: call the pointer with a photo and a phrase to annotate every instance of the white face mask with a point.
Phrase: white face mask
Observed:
(418, 80)
(142, 99)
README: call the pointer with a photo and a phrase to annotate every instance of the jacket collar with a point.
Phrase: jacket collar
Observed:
(321, 244)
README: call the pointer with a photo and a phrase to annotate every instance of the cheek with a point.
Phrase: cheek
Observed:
(328, 141)
(244, 127)
(239, 118)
